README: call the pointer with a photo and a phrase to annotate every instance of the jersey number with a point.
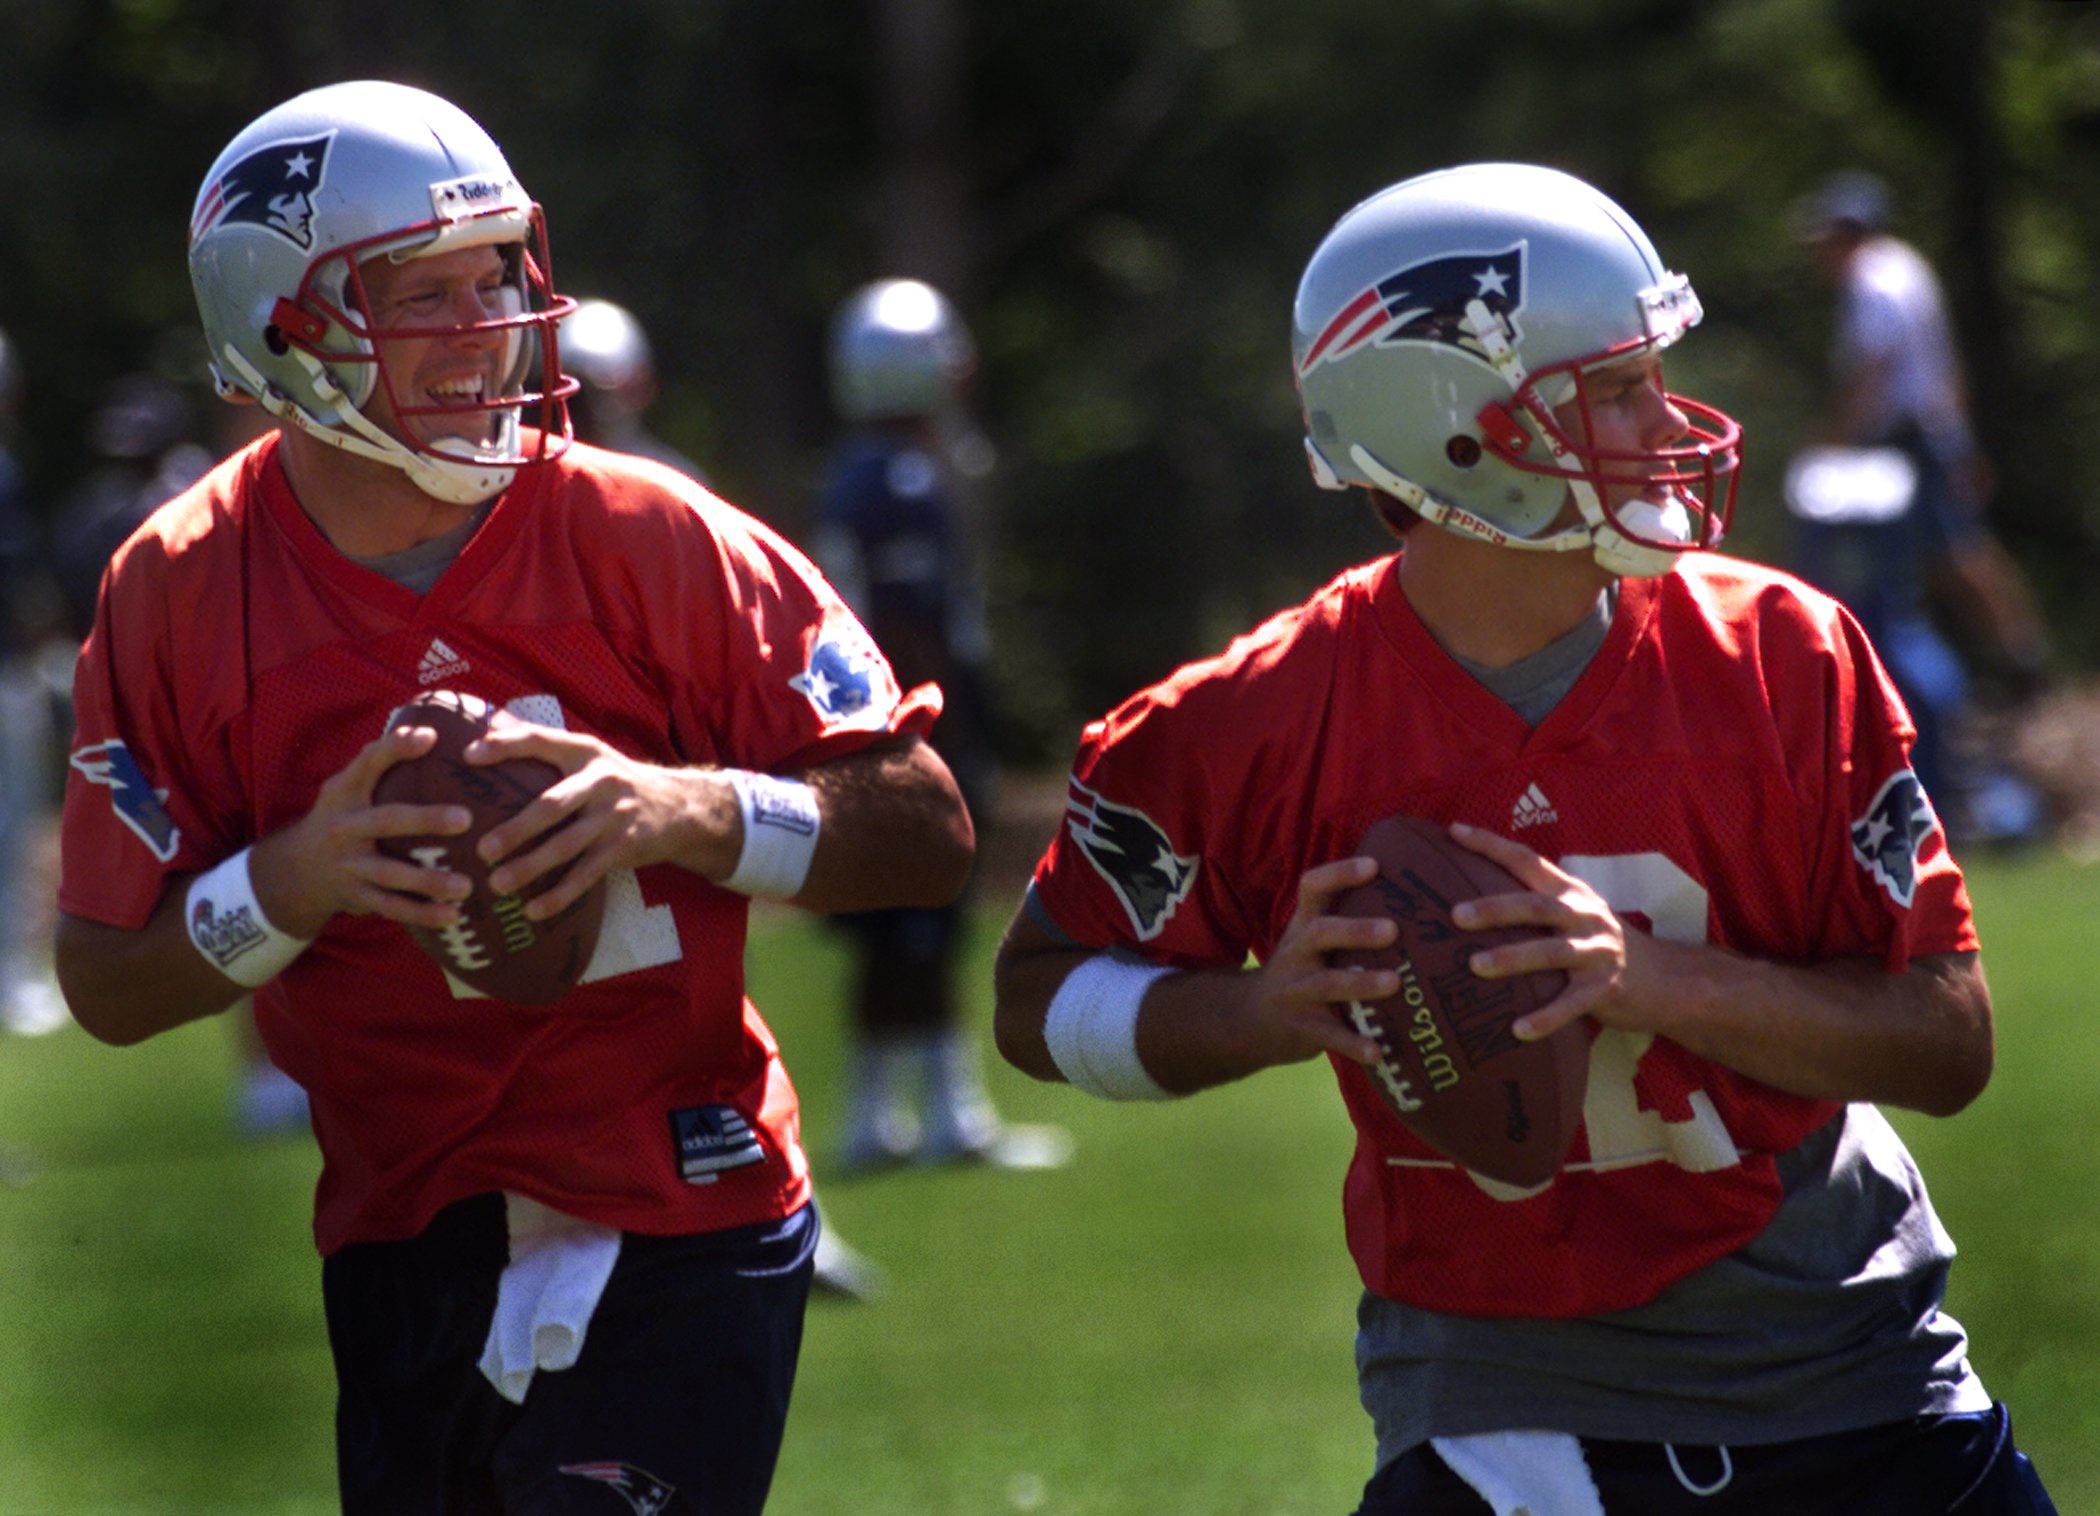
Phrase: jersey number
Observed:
(1621, 1133)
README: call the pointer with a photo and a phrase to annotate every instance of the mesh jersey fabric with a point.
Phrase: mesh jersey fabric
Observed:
(1705, 773)
(238, 660)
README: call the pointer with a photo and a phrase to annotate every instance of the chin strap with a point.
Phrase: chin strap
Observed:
(1620, 555)
(1457, 518)
(456, 481)
(1614, 551)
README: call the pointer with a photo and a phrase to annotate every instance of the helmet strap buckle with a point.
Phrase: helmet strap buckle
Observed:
(297, 323)
(1504, 434)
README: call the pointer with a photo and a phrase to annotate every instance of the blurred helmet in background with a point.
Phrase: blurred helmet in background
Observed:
(604, 347)
(899, 350)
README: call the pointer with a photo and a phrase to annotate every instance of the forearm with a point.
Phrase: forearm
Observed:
(1843, 1030)
(1188, 1036)
(895, 832)
(126, 986)
(891, 829)
(1193, 1029)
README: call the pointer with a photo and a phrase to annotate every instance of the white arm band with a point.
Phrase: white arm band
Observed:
(228, 927)
(1091, 1029)
(780, 834)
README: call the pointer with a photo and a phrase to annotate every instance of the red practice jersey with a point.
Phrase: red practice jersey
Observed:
(1731, 768)
(238, 660)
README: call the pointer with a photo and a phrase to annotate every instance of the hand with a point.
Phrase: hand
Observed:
(1603, 958)
(328, 861)
(608, 811)
(1296, 1000)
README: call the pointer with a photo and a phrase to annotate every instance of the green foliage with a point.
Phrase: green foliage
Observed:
(1139, 188)
(1163, 1325)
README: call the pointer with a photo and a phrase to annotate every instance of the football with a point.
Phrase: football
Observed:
(493, 948)
(1452, 1068)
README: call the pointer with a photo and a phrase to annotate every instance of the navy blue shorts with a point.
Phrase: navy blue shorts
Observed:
(1961, 1465)
(677, 1403)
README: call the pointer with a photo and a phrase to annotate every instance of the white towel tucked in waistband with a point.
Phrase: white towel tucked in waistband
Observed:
(1524, 1473)
(544, 1300)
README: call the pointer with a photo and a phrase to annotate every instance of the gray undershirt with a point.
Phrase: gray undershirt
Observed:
(1827, 1321)
(419, 567)
(1533, 686)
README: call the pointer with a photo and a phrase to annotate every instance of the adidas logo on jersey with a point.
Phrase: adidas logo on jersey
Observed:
(1532, 809)
(439, 662)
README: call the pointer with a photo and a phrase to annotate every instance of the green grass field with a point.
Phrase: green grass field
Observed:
(1163, 1326)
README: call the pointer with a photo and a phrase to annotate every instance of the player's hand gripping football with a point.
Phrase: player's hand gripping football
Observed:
(622, 813)
(328, 862)
(1295, 994)
(1608, 963)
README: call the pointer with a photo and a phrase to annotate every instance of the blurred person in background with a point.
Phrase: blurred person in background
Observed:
(605, 348)
(142, 438)
(890, 532)
(1888, 508)
(29, 619)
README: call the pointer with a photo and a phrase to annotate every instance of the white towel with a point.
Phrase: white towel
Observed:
(1524, 1473)
(544, 1300)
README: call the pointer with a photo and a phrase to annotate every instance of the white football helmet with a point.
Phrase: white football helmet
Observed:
(290, 213)
(898, 349)
(605, 347)
(1442, 320)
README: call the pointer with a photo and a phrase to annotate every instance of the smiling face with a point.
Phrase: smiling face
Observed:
(444, 367)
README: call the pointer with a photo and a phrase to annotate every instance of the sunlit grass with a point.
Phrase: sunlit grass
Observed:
(1163, 1326)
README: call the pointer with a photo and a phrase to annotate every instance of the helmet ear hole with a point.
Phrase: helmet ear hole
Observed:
(273, 339)
(1463, 451)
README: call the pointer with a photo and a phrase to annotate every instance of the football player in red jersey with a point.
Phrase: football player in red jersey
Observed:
(1729, 1297)
(563, 1240)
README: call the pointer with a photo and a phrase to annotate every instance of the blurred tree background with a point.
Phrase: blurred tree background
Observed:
(1121, 198)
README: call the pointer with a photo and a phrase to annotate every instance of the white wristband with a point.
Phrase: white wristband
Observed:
(780, 834)
(1091, 1029)
(228, 927)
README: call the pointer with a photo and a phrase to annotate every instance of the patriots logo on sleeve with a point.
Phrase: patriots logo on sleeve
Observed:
(137, 803)
(848, 683)
(641, 1489)
(273, 188)
(1886, 839)
(1137, 859)
(1427, 302)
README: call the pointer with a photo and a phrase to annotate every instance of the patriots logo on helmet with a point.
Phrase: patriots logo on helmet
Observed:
(1427, 302)
(137, 803)
(273, 188)
(1885, 840)
(648, 1495)
(1133, 855)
